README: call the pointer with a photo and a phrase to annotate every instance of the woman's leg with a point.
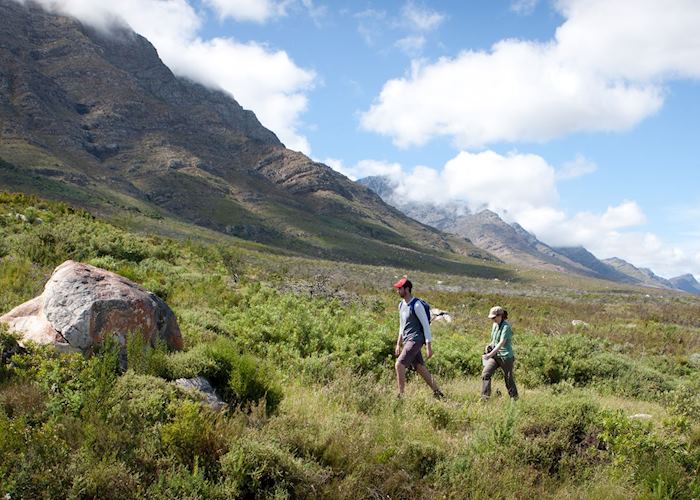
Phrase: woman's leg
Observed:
(486, 374)
(507, 365)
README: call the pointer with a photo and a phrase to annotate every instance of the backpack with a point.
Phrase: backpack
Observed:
(426, 306)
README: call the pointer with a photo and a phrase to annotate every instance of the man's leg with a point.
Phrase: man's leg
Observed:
(400, 376)
(410, 355)
(486, 374)
(423, 370)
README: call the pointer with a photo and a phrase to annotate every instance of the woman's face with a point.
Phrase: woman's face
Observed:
(497, 319)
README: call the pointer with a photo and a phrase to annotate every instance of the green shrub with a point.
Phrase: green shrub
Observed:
(143, 358)
(418, 458)
(184, 484)
(33, 459)
(555, 437)
(104, 478)
(659, 464)
(684, 401)
(255, 469)
(196, 436)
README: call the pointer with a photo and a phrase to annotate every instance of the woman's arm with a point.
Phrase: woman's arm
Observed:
(495, 350)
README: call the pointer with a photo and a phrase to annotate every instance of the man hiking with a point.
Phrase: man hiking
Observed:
(414, 331)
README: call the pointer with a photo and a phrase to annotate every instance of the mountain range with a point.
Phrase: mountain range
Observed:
(515, 245)
(95, 118)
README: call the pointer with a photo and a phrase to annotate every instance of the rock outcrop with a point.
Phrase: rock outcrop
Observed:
(82, 305)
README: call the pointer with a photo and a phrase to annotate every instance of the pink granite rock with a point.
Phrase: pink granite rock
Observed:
(82, 304)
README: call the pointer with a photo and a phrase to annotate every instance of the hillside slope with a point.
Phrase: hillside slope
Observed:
(97, 119)
(687, 283)
(643, 275)
(511, 243)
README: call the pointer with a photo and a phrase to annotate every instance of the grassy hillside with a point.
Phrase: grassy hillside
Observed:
(302, 350)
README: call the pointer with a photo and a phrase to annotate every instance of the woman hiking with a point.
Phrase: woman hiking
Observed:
(499, 353)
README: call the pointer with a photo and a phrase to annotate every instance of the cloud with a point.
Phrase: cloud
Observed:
(596, 74)
(414, 22)
(370, 25)
(420, 18)
(261, 79)
(524, 7)
(507, 184)
(365, 168)
(316, 12)
(411, 45)
(578, 167)
(272, 84)
(523, 188)
(259, 11)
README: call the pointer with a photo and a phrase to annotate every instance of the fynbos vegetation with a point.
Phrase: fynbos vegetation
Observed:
(302, 352)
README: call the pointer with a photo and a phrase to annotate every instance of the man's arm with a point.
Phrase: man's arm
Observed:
(397, 350)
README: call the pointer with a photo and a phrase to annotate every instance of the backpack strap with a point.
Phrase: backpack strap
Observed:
(412, 305)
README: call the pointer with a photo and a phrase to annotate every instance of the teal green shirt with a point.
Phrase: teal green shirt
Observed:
(503, 331)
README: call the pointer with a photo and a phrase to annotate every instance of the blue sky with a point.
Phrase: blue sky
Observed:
(576, 118)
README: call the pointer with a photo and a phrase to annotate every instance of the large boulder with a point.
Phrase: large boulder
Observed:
(83, 304)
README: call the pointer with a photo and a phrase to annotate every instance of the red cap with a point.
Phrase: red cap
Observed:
(400, 283)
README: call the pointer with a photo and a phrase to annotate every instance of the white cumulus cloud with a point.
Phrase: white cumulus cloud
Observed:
(523, 188)
(261, 79)
(598, 73)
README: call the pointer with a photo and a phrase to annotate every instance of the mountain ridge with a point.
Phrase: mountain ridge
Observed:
(101, 115)
(515, 245)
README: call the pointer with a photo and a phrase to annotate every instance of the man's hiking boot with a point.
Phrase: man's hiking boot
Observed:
(438, 394)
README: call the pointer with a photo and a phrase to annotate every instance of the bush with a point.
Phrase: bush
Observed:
(242, 379)
(184, 484)
(256, 469)
(106, 478)
(661, 465)
(196, 436)
(554, 437)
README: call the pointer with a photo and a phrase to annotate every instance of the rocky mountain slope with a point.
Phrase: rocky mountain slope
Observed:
(515, 245)
(590, 261)
(97, 119)
(509, 242)
(641, 274)
(686, 282)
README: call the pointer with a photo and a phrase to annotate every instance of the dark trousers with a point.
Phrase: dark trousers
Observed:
(505, 364)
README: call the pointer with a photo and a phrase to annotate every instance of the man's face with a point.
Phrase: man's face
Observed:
(403, 291)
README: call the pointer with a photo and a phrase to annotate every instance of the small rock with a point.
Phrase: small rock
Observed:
(440, 315)
(202, 386)
(578, 322)
(641, 416)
